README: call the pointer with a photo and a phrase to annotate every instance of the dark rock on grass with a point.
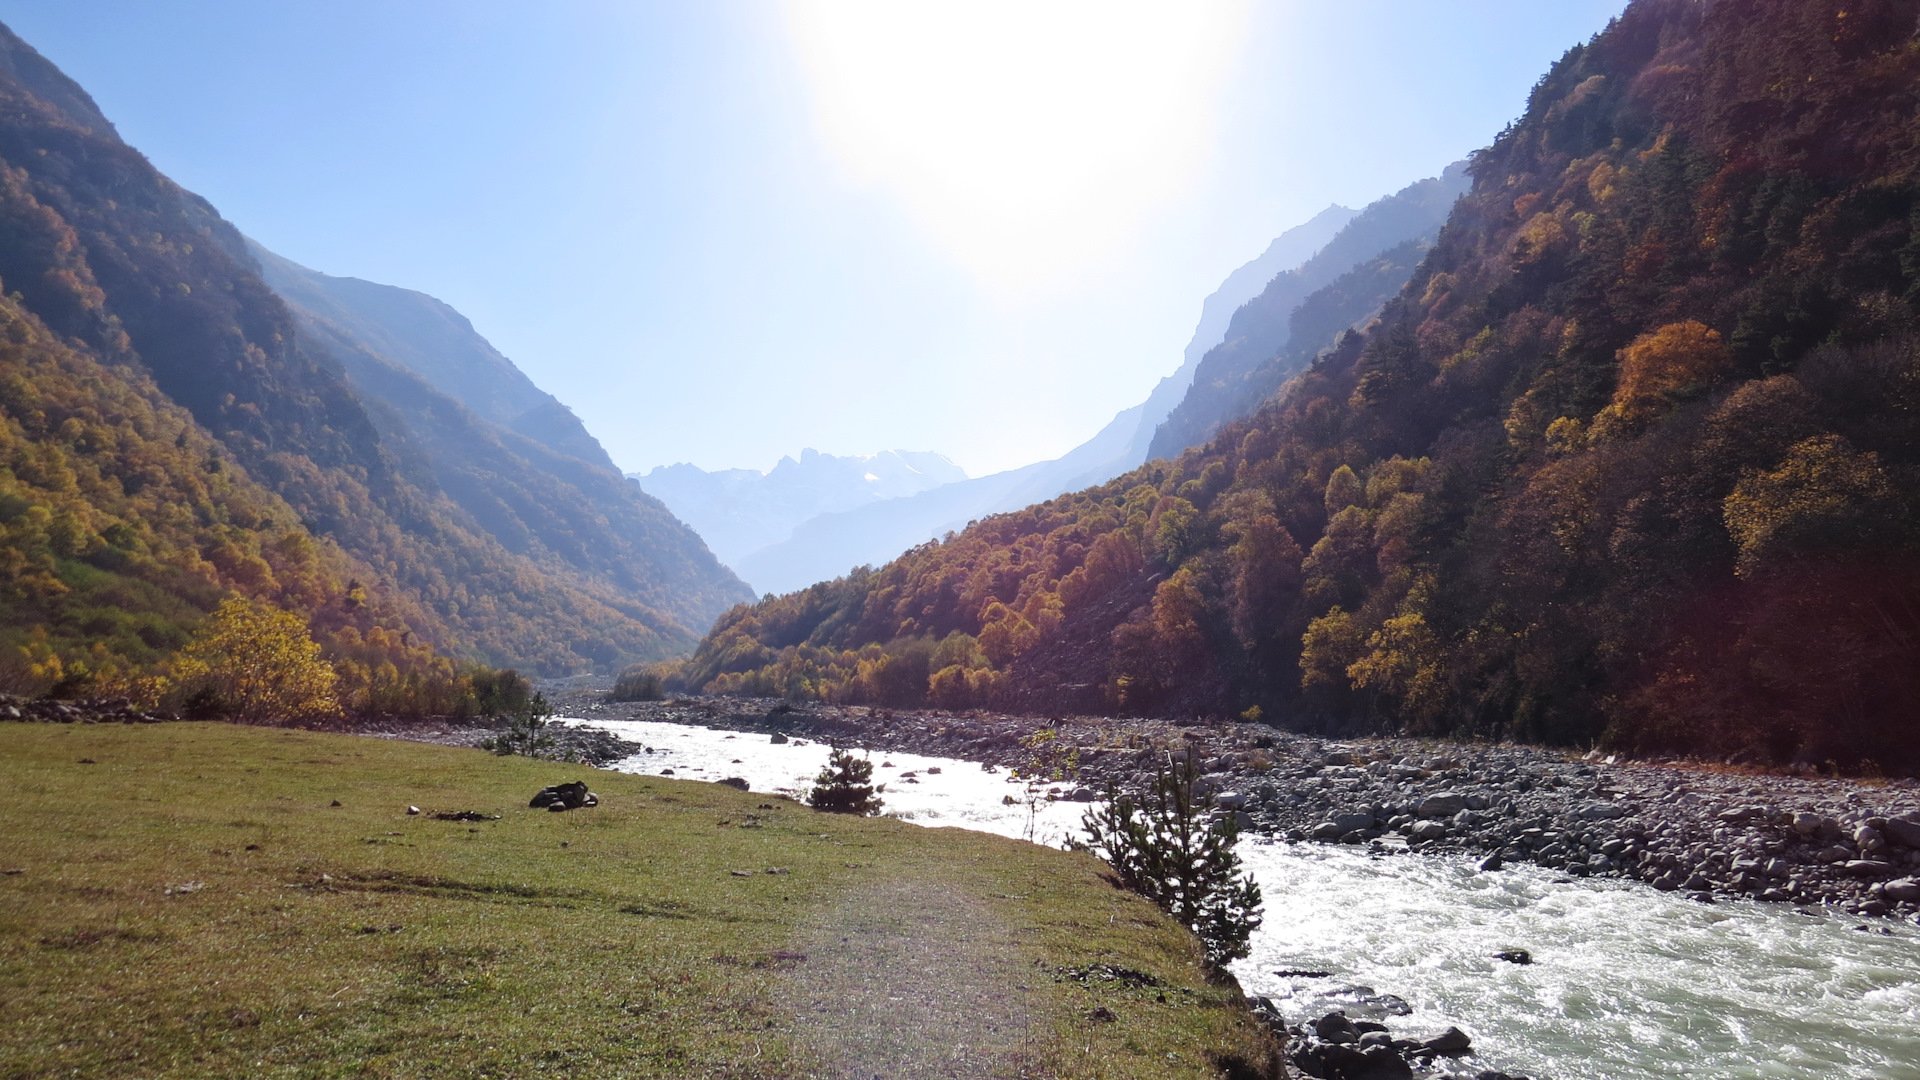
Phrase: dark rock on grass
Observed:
(572, 796)
(737, 782)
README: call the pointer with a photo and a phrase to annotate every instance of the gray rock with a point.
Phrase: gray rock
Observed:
(1902, 890)
(1336, 1028)
(1449, 1043)
(1445, 804)
(1600, 811)
(1428, 830)
(1867, 868)
(1904, 831)
(1352, 820)
(1381, 1063)
(1806, 824)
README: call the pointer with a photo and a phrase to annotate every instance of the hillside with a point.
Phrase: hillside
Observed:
(1631, 457)
(508, 454)
(177, 433)
(1262, 347)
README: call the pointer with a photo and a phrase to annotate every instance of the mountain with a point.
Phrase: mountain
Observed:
(1630, 459)
(508, 454)
(838, 540)
(741, 511)
(1124, 443)
(1260, 350)
(345, 493)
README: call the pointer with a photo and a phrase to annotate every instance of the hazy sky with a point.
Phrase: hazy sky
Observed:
(724, 231)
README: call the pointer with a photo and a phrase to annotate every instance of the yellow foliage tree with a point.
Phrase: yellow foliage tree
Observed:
(1661, 367)
(255, 662)
(1823, 494)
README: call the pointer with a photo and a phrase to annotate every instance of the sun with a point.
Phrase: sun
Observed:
(1028, 140)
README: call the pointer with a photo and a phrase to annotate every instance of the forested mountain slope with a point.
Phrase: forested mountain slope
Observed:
(1633, 456)
(1261, 349)
(517, 461)
(133, 294)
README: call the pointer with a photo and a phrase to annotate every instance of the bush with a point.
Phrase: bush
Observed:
(642, 682)
(1179, 855)
(845, 785)
(526, 732)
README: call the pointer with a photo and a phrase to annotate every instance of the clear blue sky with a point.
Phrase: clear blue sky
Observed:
(724, 231)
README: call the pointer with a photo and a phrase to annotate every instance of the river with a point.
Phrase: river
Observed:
(1626, 982)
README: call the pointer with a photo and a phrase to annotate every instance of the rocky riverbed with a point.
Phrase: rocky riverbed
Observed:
(1846, 844)
(585, 746)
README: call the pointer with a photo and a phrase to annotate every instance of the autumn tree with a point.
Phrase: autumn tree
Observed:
(1661, 367)
(255, 662)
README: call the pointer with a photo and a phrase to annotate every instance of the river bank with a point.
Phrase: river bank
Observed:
(1844, 844)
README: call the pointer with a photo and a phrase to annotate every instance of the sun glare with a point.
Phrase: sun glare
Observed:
(1028, 139)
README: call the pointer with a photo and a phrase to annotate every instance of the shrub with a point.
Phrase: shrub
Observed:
(526, 732)
(642, 682)
(845, 785)
(1179, 855)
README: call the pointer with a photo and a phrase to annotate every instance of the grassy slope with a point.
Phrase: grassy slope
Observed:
(644, 937)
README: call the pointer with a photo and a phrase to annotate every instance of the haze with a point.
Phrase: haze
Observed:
(724, 232)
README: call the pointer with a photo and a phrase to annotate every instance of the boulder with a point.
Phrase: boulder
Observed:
(1428, 830)
(1352, 821)
(1444, 804)
(1904, 831)
(1600, 811)
(571, 796)
(1336, 1028)
(1449, 1043)
(1904, 890)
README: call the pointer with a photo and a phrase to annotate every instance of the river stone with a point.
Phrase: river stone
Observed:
(1904, 831)
(1428, 830)
(1352, 820)
(1806, 824)
(1600, 811)
(1445, 804)
(1381, 1063)
(1336, 1028)
(1867, 867)
(1230, 800)
(1450, 1042)
(1904, 890)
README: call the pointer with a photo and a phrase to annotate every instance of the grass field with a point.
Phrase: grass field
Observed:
(209, 900)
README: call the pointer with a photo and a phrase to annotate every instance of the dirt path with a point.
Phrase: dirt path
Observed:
(910, 978)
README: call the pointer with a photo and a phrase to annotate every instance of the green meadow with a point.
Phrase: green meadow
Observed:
(213, 900)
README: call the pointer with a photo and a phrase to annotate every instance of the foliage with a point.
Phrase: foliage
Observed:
(171, 433)
(526, 717)
(256, 663)
(1168, 847)
(1630, 459)
(642, 682)
(845, 785)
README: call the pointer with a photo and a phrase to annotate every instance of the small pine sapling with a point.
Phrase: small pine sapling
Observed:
(845, 785)
(1180, 855)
